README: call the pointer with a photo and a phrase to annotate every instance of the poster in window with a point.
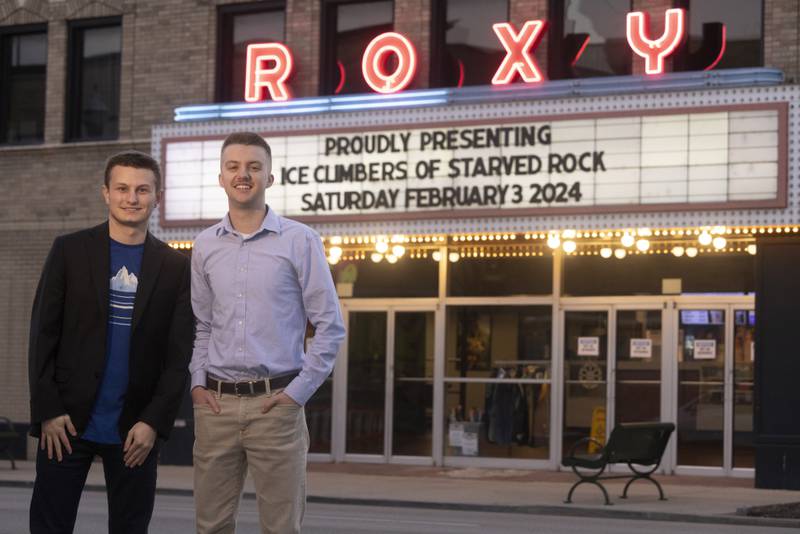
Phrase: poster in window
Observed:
(705, 349)
(641, 348)
(589, 346)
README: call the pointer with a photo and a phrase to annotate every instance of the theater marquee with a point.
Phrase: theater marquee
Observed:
(680, 159)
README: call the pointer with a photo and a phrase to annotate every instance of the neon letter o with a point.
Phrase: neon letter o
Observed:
(372, 63)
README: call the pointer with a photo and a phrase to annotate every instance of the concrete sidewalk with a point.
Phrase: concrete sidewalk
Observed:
(690, 499)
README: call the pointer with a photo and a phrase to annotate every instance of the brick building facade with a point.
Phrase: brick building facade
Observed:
(168, 59)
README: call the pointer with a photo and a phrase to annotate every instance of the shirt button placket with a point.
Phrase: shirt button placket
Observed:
(241, 305)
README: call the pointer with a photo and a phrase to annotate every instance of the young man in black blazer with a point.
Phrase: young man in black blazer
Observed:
(110, 342)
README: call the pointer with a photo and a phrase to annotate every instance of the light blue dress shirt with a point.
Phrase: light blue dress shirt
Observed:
(251, 299)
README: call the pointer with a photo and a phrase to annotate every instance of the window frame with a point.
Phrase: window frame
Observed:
(75, 75)
(555, 45)
(224, 53)
(11, 31)
(681, 57)
(328, 19)
(438, 42)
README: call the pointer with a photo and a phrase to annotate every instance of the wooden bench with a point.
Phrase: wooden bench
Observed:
(8, 437)
(640, 445)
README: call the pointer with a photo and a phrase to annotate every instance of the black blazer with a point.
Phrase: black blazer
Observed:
(67, 353)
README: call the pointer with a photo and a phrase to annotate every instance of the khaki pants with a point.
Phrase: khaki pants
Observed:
(272, 446)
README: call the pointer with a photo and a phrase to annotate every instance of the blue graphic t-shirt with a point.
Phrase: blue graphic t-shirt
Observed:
(126, 262)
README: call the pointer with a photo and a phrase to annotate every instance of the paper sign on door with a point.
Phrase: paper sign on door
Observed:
(705, 349)
(641, 348)
(589, 346)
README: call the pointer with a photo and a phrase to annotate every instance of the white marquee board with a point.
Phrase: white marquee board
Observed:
(694, 158)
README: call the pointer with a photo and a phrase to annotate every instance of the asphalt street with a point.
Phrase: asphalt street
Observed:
(175, 514)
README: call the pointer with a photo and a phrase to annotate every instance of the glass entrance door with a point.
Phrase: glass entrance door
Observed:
(585, 376)
(366, 382)
(593, 402)
(744, 354)
(701, 387)
(714, 402)
(412, 384)
(389, 392)
(637, 366)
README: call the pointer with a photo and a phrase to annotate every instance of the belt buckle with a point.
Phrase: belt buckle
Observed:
(238, 393)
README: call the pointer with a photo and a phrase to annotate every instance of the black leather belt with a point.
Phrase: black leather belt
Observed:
(250, 387)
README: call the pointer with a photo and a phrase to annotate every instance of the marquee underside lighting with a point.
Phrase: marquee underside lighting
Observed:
(610, 245)
(611, 85)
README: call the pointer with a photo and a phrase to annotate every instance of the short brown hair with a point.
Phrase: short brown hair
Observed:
(247, 139)
(135, 159)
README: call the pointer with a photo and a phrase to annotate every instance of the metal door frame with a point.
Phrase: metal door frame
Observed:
(390, 307)
(728, 304)
(611, 305)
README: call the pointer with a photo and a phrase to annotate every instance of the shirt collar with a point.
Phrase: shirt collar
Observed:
(271, 223)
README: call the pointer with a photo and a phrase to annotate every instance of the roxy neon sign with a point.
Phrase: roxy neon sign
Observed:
(269, 65)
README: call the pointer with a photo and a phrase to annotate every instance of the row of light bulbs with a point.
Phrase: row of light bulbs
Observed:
(391, 248)
(615, 243)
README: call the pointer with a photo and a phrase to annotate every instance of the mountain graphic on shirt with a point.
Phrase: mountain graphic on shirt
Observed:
(124, 281)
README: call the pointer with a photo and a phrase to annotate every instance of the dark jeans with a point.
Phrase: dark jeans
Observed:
(58, 487)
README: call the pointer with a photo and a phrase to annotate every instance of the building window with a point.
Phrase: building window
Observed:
(239, 27)
(95, 48)
(743, 33)
(500, 277)
(23, 61)
(348, 29)
(465, 49)
(498, 369)
(591, 276)
(588, 39)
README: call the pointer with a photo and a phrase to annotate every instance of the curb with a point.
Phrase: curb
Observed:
(569, 511)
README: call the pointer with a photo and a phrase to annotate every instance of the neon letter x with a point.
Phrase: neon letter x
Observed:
(519, 49)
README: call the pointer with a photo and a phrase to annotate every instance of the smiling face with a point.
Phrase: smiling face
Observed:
(131, 196)
(245, 175)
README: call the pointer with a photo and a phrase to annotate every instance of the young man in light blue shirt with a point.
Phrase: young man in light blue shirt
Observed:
(257, 280)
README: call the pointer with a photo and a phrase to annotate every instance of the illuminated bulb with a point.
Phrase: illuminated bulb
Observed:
(553, 241)
(620, 253)
(719, 242)
(437, 256)
(569, 247)
(643, 245)
(627, 240)
(568, 234)
(391, 258)
(376, 257)
(398, 250)
(333, 260)
(397, 238)
(606, 252)
(691, 252)
(336, 240)
(678, 251)
(335, 252)
(705, 238)
(453, 257)
(382, 247)
(644, 232)
(751, 249)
